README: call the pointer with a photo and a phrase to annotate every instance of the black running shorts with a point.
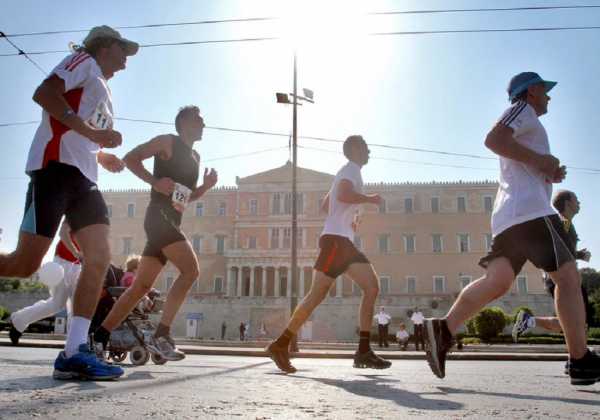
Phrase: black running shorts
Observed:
(543, 241)
(337, 254)
(61, 190)
(162, 228)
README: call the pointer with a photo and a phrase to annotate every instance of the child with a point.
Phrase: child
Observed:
(131, 265)
(402, 337)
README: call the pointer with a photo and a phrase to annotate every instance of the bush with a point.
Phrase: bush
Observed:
(489, 323)
(470, 326)
(4, 313)
(594, 333)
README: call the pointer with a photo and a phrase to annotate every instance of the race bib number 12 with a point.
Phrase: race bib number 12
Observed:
(180, 197)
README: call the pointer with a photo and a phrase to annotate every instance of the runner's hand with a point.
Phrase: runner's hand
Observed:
(210, 178)
(110, 162)
(548, 165)
(560, 174)
(587, 255)
(164, 186)
(106, 138)
(375, 199)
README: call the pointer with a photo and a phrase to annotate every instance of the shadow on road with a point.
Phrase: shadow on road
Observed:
(381, 388)
(448, 390)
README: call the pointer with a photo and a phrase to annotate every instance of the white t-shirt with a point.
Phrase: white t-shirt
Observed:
(341, 215)
(402, 335)
(417, 318)
(88, 94)
(524, 192)
(382, 318)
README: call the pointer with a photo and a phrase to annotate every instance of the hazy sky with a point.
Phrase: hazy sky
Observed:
(439, 91)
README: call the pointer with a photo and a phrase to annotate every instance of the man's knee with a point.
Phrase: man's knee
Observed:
(567, 276)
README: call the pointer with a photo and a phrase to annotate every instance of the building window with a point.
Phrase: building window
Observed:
(301, 234)
(199, 209)
(435, 204)
(461, 204)
(321, 209)
(356, 289)
(109, 210)
(287, 203)
(463, 243)
(384, 243)
(168, 283)
(253, 207)
(276, 204)
(287, 238)
(409, 243)
(252, 242)
(222, 208)
(218, 285)
(464, 281)
(384, 285)
(358, 242)
(274, 238)
(488, 242)
(220, 239)
(300, 203)
(411, 285)
(522, 285)
(439, 284)
(127, 246)
(382, 206)
(488, 204)
(437, 242)
(130, 210)
(408, 205)
(197, 244)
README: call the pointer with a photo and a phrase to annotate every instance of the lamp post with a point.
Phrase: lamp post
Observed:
(283, 98)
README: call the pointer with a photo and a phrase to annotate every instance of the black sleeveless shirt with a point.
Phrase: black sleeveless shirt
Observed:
(182, 168)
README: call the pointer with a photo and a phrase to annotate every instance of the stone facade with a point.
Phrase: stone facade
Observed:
(424, 242)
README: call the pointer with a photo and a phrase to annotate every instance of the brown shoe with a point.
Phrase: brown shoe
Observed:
(281, 357)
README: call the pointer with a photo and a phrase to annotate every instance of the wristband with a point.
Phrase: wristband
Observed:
(68, 112)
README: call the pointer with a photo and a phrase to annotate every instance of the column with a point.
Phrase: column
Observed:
(264, 280)
(288, 270)
(301, 284)
(239, 280)
(339, 286)
(251, 293)
(277, 278)
(230, 291)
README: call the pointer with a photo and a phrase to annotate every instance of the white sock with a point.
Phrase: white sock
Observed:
(78, 334)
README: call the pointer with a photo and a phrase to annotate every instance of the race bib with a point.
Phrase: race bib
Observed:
(101, 118)
(180, 197)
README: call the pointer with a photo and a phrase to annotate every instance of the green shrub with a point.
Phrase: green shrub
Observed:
(4, 313)
(470, 326)
(594, 333)
(489, 323)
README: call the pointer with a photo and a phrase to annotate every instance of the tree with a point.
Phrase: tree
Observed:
(590, 279)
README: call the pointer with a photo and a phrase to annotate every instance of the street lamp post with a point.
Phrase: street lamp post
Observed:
(283, 98)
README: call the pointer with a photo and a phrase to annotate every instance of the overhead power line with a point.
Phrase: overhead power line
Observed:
(23, 53)
(275, 18)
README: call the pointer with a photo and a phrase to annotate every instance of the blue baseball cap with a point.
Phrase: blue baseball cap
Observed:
(522, 81)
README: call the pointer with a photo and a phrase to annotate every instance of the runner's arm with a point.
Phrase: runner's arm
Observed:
(210, 179)
(159, 145)
(347, 194)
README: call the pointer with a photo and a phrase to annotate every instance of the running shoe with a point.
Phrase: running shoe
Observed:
(165, 347)
(439, 341)
(524, 322)
(84, 365)
(370, 360)
(585, 371)
(14, 335)
(281, 356)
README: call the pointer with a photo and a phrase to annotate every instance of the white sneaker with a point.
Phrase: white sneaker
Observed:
(523, 323)
(165, 347)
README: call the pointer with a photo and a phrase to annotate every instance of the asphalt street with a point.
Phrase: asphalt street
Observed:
(252, 388)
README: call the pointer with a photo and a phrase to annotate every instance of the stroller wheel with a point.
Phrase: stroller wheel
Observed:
(158, 359)
(117, 356)
(139, 355)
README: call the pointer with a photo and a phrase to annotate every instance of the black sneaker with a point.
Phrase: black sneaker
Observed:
(439, 341)
(370, 360)
(585, 371)
(14, 335)
(281, 356)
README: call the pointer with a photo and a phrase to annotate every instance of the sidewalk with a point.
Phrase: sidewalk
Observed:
(330, 350)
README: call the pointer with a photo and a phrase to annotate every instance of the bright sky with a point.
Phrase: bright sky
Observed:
(441, 91)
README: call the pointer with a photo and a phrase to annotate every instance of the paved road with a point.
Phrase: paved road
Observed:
(240, 387)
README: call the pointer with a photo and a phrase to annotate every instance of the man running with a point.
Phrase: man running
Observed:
(339, 256)
(67, 255)
(63, 167)
(525, 227)
(173, 184)
(567, 205)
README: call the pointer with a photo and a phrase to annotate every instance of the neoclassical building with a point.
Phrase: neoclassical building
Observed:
(424, 241)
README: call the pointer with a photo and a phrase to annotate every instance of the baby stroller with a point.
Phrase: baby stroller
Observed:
(133, 333)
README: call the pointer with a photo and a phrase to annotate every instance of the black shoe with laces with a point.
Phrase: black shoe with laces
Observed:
(281, 356)
(439, 341)
(585, 371)
(14, 335)
(370, 360)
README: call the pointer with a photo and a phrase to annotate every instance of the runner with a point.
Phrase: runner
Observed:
(173, 186)
(63, 167)
(67, 255)
(525, 227)
(339, 256)
(567, 205)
